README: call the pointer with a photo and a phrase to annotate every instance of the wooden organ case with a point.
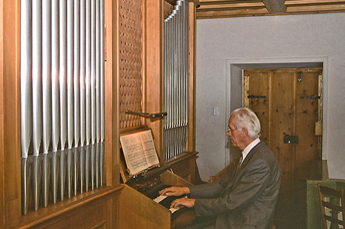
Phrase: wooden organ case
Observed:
(137, 207)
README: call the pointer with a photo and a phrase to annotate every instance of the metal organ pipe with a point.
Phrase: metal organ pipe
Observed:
(26, 97)
(47, 96)
(70, 94)
(176, 79)
(82, 93)
(76, 77)
(62, 99)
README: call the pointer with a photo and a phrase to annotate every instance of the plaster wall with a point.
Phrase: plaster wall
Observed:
(225, 44)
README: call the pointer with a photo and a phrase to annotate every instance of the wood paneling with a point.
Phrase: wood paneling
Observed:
(184, 165)
(112, 130)
(153, 69)
(10, 155)
(85, 211)
(192, 75)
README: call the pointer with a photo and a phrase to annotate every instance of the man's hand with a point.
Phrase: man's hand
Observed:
(183, 202)
(175, 191)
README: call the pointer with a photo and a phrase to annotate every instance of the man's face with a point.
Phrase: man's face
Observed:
(233, 133)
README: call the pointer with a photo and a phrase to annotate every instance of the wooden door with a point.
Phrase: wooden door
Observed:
(287, 102)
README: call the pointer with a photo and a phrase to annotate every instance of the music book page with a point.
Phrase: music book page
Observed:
(139, 151)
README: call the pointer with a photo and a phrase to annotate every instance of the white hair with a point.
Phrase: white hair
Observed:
(246, 118)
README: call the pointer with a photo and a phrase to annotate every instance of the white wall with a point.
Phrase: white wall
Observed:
(298, 37)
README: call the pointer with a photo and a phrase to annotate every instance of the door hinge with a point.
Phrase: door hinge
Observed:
(310, 97)
(256, 96)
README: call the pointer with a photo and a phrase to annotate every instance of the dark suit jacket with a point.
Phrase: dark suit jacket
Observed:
(243, 199)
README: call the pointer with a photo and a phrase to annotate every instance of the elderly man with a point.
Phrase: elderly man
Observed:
(247, 196)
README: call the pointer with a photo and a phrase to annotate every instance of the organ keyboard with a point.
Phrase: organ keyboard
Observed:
(149, 184)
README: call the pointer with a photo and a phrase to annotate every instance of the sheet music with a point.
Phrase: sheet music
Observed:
(149, 148)
(139, 151)
(135, 158)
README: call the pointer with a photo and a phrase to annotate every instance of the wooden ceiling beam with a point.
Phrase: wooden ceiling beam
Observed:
(244, 8)
(275, 6)
(232, 13)
(316, 9)
(218, 2)
(234, 9)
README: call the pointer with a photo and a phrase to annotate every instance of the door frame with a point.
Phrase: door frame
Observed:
(234, 86)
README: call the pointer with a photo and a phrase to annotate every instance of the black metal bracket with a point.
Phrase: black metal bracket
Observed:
(148, 115)
(310, 97)
(256, 96)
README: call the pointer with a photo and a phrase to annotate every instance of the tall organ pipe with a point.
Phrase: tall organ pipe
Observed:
(63, 91)
(176, 79)
(70, 93)
(47, 95)
(82, 92)
(93, 72)
(102, 94)
(36, 95)
(102, 70)
(26, 97)
(76, 93)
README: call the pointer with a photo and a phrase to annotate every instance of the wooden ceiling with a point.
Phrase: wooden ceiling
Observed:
(243, 8)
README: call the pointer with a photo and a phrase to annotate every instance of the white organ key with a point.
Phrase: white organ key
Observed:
(159, 198)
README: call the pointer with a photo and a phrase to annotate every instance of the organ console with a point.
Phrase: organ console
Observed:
(142, 206)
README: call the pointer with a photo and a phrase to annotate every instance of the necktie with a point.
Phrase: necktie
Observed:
(239, 162)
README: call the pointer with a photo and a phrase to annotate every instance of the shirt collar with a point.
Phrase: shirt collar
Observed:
(249, 148)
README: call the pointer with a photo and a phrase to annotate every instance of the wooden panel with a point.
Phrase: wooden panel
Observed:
(112, 131)
(139, 211)
(89, 216)
(153, 70)
(86, 211)
(2, 162)
(192, 75)
(10, 155)
(171, 179)
(184, 165)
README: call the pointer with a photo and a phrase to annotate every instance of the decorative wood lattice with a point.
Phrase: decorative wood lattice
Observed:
(130, 64)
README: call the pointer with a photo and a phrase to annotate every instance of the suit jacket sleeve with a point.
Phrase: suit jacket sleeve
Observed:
(241, 190)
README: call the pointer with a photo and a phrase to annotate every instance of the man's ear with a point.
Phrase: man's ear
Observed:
(244, 132)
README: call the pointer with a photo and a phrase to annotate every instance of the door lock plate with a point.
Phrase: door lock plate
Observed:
(289, 139)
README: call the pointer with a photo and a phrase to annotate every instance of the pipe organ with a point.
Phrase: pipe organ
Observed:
(176, 76)
(62, 99)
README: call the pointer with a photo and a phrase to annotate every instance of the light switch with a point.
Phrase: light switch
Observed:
(216, 111)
